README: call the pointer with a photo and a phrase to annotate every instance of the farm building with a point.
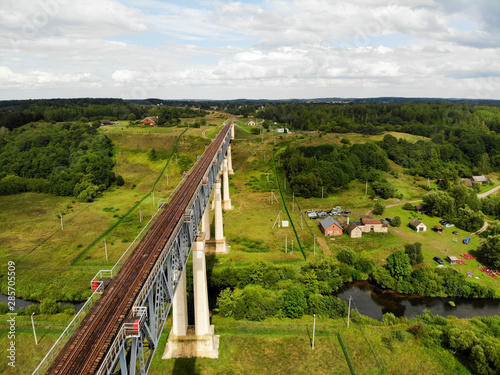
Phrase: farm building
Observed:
(353, 230)
(251, 122)
(417, 225)
(452, 259)
(373, 225)
(480, 179)
(106, 122)
(150, 121)
(330, 227)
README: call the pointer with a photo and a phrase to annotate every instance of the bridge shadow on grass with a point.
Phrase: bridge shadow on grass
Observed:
(185, 366)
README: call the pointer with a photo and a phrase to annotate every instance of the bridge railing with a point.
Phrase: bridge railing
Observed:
(70, 329)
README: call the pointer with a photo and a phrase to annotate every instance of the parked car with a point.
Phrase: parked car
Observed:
(466, 240)
(347, 212)
(446, 224)
(438, 259)
(336, 208)
(388, 219)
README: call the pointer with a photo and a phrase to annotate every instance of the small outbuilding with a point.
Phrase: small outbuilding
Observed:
(151, 121)
(438, 229)
(354, 231)
(452, 259)
(480, 179)
(417, 225)
(330, 227)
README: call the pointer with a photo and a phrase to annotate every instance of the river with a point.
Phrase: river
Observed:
(374, 302)
(23, 303)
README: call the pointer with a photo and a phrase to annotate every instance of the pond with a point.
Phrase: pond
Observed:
(374, 302)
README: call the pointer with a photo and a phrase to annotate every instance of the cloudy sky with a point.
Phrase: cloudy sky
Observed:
(276, 49)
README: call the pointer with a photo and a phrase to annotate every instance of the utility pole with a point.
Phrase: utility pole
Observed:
(314, 330)
(106, 249)
(34, 332)
(349, 311)
(315, 245)
(140, 214)
(167, 179)
(62, 226)
(292, 249)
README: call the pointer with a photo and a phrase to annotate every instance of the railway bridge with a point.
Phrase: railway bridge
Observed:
(120, 333)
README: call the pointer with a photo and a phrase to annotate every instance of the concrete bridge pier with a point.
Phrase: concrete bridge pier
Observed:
(205, 223)
(229, 160)
(199, 340)
(226, 203)
(232, 131)
(218, 245)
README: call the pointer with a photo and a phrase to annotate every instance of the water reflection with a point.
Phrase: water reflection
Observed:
(375, 302)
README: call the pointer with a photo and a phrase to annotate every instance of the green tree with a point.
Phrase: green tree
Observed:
(440, 203)
(489, 251)
(348, 256)
(50, 306)
(383, 278)
(461, 339)
(396, 221)
(398, 264)
(32, 309)
(414, 252)
(378, 208)
(294, 303)
(469, 219)
(153, 155)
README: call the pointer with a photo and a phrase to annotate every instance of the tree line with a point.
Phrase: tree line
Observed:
(329, 168)
(14, 114)
(68, 160)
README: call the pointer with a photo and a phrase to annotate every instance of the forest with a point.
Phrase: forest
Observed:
(68, 160)
(14, 114)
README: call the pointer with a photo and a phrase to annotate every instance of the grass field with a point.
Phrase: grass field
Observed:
(284, 347)
(56, 262)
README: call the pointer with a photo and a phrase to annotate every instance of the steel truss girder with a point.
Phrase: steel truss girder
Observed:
(128, 354)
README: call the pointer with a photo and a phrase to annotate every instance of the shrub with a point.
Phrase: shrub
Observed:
(396, 222)
(4, 308)
(399, 335)
(408, 207)
(50, 306)
(32, 309)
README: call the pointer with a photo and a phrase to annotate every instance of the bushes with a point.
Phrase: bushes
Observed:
(50, 306)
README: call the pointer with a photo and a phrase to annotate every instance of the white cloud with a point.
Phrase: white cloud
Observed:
(228, 49)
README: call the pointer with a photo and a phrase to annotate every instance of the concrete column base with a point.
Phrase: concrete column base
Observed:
(226, 204)
(217, 247)
(190, 346)
(230, 171)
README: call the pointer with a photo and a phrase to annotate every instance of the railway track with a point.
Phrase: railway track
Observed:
(86, 349)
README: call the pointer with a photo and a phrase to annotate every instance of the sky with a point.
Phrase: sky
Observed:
(256, 49)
